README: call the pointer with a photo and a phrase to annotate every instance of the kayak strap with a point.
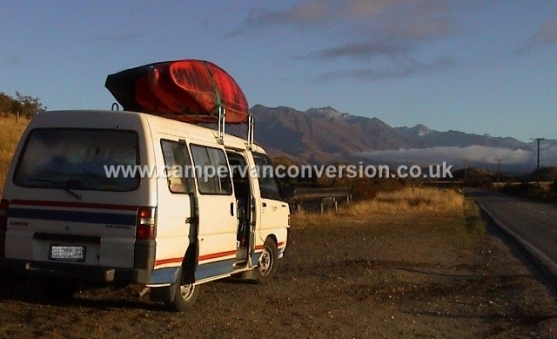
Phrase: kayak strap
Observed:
(218, 99)
(221, 113)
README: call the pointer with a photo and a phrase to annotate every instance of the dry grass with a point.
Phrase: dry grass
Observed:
(474, 224)
(403, 201)
(10, 133)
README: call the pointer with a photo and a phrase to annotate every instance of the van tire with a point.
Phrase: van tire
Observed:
(185, 296)
(267, 265)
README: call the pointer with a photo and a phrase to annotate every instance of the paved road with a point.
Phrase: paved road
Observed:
(533, 224)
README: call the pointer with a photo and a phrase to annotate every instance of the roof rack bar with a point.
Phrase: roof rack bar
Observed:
(251, 125)
(221, 124)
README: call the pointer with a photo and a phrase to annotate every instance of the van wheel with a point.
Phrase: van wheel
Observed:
(267, 262)
(184, 297)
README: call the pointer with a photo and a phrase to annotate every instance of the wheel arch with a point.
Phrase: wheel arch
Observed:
(273, 237)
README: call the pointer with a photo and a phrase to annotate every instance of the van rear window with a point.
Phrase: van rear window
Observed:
(79, 159)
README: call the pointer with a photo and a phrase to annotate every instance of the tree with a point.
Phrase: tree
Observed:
(24, 104)
(28, 105)
(6, 103)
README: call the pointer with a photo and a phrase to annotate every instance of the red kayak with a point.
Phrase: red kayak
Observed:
(185, 90)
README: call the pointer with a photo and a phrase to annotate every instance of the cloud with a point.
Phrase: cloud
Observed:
(324, 12)
(305, 13)
(361, 50)
(364, 30)
(458, 155)
(401, 19)
(546, 34)
(409, 68)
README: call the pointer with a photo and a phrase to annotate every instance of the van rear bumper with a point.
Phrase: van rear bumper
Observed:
(82, 273)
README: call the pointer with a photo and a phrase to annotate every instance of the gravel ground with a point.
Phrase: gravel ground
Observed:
(407, 275)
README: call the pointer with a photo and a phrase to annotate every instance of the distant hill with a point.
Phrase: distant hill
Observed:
(422, 137)
(321, 135)
(325, 135)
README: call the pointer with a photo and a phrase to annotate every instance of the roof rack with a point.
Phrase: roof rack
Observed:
(251, 128)
(221, 123)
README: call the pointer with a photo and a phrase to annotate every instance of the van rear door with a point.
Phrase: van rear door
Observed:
(65, 208)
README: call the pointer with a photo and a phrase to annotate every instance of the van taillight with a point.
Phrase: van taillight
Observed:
(3, 215)
(146, 226)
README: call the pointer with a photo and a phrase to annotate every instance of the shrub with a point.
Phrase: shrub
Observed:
(363, 189)
(553, 186)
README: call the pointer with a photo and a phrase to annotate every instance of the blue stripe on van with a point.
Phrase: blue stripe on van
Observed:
(214, 268)
(167, 275)
(73, 216)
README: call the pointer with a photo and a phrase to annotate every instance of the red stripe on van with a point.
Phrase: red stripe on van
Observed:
(216, 255)
(201, 258)
(260, 247)
(169, 261)
(43, 203)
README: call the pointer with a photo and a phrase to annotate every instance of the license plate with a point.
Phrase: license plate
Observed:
(67, 253)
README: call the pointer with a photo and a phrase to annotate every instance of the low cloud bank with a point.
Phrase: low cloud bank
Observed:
(471, 155)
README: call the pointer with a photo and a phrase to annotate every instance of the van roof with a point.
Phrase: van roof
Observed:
(67, 118)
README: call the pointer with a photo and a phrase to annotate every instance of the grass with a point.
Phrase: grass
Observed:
(474, 224)
(11, 133)
(404, 201)
(470, 227)
(434, 208)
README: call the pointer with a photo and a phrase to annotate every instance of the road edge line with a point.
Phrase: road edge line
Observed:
(542, 259)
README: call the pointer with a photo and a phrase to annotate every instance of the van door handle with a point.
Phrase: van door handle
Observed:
(232, 209)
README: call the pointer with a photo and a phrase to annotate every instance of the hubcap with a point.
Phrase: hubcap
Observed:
(186, 291)
(265, 261)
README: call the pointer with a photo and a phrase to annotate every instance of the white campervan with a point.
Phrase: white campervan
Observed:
(124, 197)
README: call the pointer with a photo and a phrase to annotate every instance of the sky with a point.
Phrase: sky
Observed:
(474, 66)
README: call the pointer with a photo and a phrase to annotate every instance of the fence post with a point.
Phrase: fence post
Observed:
(17, 117)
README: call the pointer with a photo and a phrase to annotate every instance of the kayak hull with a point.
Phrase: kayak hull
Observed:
(187, 90)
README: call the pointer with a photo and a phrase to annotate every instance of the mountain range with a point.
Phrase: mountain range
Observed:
(325, 135)
(322, 135)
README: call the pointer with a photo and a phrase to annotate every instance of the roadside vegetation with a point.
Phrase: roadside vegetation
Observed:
(409, 199)
(540, 185)
(22, 105)
(11, 132)
(15, 113)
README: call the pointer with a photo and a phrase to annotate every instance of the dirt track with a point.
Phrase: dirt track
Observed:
(391, 276)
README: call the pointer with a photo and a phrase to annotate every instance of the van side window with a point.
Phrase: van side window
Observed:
(179, 171)
(211, 167)
(268, 184)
